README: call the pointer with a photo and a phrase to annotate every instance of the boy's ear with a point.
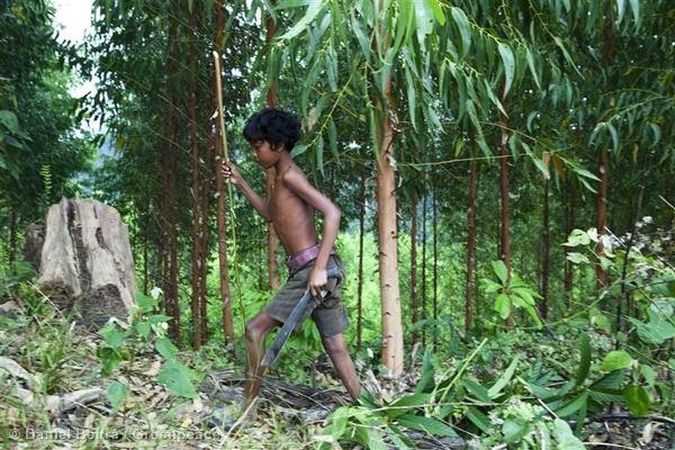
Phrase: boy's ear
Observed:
(279, 147)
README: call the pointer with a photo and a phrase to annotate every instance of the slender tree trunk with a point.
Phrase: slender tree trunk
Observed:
(12, 237)
(601, 207)
(424, 268)
(362, 219)
(198, 260)
(505, 230)
(168, 197)
(145, 261)
(471, 247)
(413, 263)
(392, 330)
(546, 243)
(273, 279)
(602, 279)
(434, 227)
(221, 207)
(570, 224)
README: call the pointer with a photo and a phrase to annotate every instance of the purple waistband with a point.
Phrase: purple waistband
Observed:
(301, 258)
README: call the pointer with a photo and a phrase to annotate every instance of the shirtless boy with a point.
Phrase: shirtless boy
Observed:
(290, 207)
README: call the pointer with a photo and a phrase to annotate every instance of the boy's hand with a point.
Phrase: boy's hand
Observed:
(230, 173)
(318, 280)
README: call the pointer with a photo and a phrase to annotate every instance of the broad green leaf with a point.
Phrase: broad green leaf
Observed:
(113, 336)
(501, 383)
(585, 359)
(566, 55)
(117, 393)
(370, 437)
(573, 406)
(166, 348)
(9, 120)
(577, 258)
(146, 303)
(412, 96)
(611, 381)
(503, 305)
(298, 150)
(500, 270)
(177, 378)
(509, 66)
(332, 139)
(616, 360)
(637, 400)
(566, 440)
(427, 424)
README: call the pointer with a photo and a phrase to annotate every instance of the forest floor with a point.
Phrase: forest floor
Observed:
(52, 395)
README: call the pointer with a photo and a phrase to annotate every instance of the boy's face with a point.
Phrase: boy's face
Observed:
(264, 154)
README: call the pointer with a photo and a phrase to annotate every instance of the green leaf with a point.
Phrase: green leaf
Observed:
(503, 305)
(611, 381)
(430, 425)
(509, 65)
(313, 10)
(615, 360)
(566, 440)
(298, 150)
(177, 378)
(113, 336)
(464, 28)
(143, 329)
(479, 419)
(404, 404)
(585, 361)
(332, 139)
(577, 258)
(477, 390)
(426, 382)
(621, 9)
(501, 383)
(500, 270)
(165, 347)
(117, 393)
(533, 69)
(146, 303)
(573, 406)
(438, 11)
(514, 430)
(637, 400)
(635, 7)
(10, 121)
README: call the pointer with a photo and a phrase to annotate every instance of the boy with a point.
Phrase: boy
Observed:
(290, 207)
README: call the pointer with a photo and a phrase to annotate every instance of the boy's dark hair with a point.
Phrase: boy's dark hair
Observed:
(275, 126)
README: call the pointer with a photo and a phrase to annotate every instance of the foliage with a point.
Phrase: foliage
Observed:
(144, 330)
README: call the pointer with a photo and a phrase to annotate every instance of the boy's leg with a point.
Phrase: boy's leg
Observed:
(256, 331)
(344, 366)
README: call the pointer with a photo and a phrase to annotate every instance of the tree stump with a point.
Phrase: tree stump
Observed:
(86, 263)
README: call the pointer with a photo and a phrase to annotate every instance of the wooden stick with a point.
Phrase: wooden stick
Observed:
(219, 97)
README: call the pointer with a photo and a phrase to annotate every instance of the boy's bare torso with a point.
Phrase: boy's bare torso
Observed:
(292, 217)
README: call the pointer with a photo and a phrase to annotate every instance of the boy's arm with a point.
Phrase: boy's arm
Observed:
(233, 176)
(297, 182)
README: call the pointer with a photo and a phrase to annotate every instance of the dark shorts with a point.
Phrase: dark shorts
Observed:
(328, 312)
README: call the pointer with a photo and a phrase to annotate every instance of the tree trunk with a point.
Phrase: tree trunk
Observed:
(413, 263)
(228, 323)
(198, 260)
(392, 330)
(273, 279)
(434, 227)
(601, 207)
(12, 238)
(168, 197)
(424, 269)
(570, 224)
(362, 219)
(505, 230)
(471, 247)
(546, 243)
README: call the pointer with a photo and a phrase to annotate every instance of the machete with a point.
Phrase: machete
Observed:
(293, 320)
